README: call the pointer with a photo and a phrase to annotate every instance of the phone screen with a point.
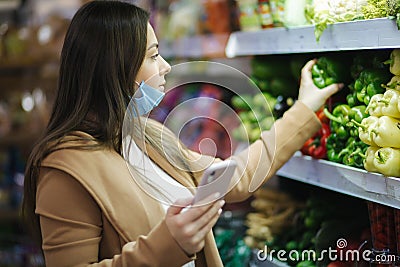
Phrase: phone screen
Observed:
(216, 179)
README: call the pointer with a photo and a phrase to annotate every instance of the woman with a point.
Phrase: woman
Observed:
(79, 190)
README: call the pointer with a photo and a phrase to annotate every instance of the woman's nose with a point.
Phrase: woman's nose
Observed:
(165, 67)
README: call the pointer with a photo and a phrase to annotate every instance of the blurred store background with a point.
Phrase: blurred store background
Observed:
(286, 214)
(31, 37)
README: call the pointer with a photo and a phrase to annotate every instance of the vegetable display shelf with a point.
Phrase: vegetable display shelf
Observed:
(355, 35)
(343, 179)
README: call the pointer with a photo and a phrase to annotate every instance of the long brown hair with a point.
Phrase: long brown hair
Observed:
(103, 50)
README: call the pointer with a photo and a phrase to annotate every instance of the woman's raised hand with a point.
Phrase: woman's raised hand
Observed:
(311, 95)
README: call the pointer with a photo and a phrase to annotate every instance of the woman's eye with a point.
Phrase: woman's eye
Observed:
(155, 56)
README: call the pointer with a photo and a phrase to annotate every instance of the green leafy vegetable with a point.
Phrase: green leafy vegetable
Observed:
(321, 13)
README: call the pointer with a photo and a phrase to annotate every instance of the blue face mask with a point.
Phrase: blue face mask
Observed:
(146, 99)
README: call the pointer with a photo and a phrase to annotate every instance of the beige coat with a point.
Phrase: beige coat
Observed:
(92, 211)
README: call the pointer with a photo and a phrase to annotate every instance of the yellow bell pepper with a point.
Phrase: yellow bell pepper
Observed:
(366, 128)
(398, 105)
(394, 62)
(369, 159)
(386, 132)
(390, 101)
(394, 83)
(374, 107)
(387, 161)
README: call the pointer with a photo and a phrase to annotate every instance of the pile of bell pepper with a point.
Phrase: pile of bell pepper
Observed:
(369, 83)
(381, 130)
(382, 134)
(316, 145)
(344, 145)
(365, 131)
(326, 71)
(370, 75)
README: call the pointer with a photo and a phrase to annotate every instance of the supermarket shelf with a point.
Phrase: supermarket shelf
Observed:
(343, 179)
(355, 35)
(211, 46)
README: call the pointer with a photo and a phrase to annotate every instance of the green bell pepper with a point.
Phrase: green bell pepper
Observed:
(374, 88)
(378, 76)
(353, 153)
(338, 120)
(329, 70)
(334, 146)
(351, 100)
(369, 83)
(358, 113)
(365, 60)
(318, 76)
(340, 114)
(358, 85)
(359, 155)
(361, 95)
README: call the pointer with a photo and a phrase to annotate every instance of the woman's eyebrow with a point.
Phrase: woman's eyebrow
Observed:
(153, 45)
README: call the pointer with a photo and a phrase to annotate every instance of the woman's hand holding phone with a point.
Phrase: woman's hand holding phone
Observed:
(189, 220)
(190, 228)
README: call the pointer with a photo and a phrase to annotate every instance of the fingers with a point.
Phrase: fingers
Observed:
(178, 206)
(196, 231)
(309, 93)
(212, 213)
(197, 212)
(306, 70)
(202, 232)
(189, 228)
(333, 88)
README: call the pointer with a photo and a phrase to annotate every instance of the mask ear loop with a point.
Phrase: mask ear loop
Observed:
(138, 87)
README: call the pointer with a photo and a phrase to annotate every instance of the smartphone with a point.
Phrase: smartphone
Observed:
(216, 179)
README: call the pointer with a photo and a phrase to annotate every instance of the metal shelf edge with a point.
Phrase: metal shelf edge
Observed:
(355, 35)
(343, 179)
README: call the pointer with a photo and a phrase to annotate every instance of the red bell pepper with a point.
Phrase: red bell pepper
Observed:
(316, 145)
